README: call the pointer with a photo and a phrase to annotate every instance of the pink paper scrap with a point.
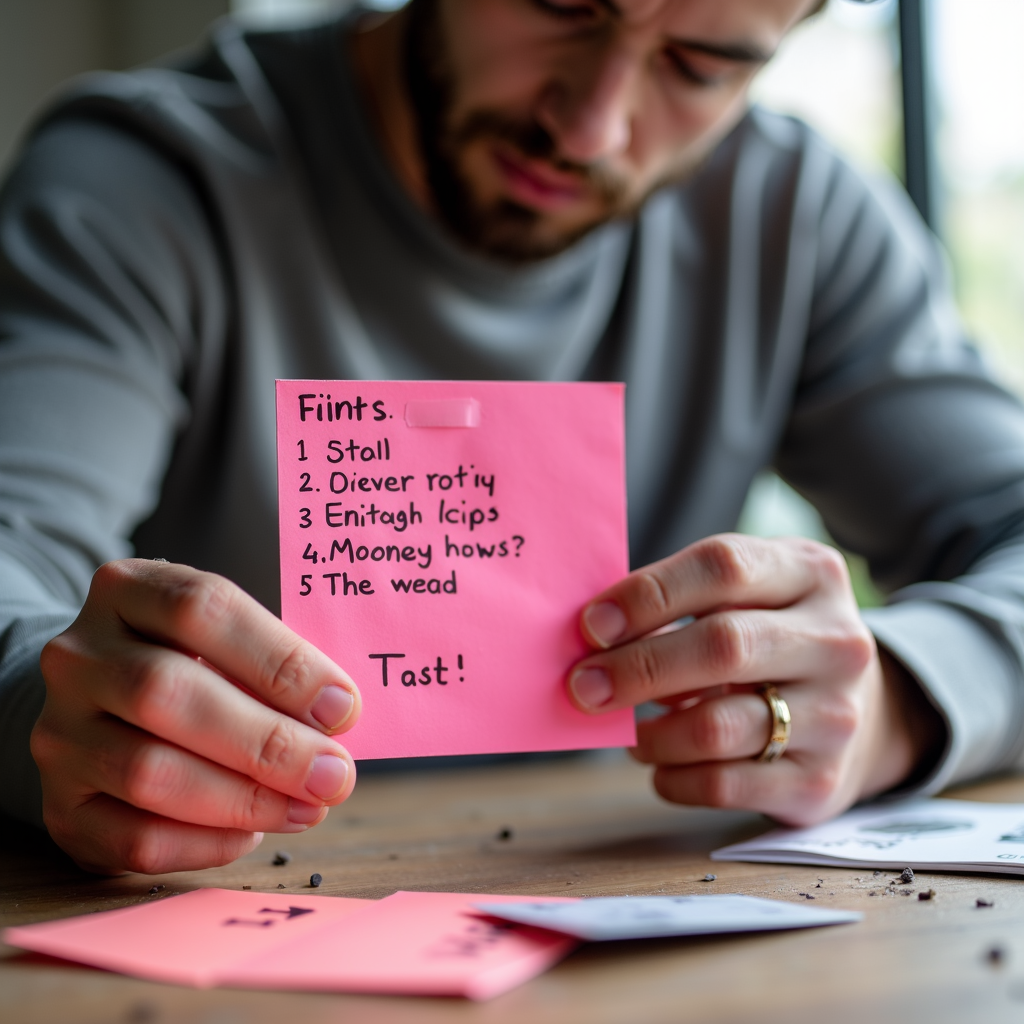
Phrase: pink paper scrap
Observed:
(411, 943)
(191, 939)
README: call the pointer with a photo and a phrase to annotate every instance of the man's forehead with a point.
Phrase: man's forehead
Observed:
(758, 22)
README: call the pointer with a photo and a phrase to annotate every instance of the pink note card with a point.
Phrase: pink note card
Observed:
(439, 540)
(408, 944)
(192, 939)
(413, 943)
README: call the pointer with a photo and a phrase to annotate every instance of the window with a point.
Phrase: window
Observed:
(270, 11)
(275, 10)
(841, 72)
(978, 79)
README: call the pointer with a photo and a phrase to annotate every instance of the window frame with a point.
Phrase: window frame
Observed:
(920, 166)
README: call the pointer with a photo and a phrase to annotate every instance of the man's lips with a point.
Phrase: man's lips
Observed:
(536, 183)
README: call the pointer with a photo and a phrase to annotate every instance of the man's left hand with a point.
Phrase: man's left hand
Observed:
(776, 611)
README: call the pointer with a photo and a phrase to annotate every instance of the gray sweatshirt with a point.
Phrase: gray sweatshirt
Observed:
(174, 239)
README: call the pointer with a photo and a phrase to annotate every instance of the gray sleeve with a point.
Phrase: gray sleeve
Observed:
(109, 281)
(915, 457)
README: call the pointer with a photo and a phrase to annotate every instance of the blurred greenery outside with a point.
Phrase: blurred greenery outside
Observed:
(840, 72)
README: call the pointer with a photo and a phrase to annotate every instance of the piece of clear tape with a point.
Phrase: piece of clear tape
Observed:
(443, 412)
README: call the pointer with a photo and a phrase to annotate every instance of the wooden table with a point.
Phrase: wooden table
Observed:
(586, 827)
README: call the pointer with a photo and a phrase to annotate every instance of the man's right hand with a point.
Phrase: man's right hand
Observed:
(152, 754)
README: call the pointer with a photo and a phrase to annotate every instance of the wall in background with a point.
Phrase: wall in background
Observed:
(45, 42)
(140, 30)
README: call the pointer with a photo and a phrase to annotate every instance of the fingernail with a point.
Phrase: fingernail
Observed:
(301, 813)
(327, 777)
(592, 687)
(605, 622)
(332, 707)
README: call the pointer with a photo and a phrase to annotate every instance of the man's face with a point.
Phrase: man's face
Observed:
(540, 119)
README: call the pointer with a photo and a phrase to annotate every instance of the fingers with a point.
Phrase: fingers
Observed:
(182, 720)
(737, 727)
(128, 764)
(784, 790)
(208, 616)
(107, 836)
(736, 646)
(707, 754)
(723, 571)
(173, 696)
(779, 611)
(723, 728)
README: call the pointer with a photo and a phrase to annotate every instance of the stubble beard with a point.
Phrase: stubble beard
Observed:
(503, 230)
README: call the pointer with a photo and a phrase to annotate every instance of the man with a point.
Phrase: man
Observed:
(545, 189)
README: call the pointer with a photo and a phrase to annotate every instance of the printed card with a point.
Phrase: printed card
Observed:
(413, 943)
(926, 835)
(439, 540)
(651, 917)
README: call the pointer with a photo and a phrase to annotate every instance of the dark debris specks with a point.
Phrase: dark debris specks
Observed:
(316, 880)
(156, 889)
(710, 878)
(281, 857)
(906, 876)
(926, 894)
(142, 1013)
(505, 834)
(979, 902)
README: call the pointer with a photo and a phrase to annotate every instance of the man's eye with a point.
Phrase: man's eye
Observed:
(700, 69)
(567, 9)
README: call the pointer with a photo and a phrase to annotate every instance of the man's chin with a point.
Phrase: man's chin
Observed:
(515, 234)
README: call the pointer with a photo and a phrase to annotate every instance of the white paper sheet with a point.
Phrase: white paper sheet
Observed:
(650, 917)
(937, 835)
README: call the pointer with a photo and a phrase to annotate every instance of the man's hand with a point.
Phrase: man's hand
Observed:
(778, 611)
(152, 759)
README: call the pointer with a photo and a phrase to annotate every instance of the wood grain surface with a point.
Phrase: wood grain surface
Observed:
(588, 826)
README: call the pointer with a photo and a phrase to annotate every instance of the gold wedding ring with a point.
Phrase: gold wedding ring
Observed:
(781, 720)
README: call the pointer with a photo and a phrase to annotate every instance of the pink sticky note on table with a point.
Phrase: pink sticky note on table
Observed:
(192, 939)
(410, 943)
(439, 540)
(413, 943)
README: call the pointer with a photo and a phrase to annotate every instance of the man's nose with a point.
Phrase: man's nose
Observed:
(587, 109)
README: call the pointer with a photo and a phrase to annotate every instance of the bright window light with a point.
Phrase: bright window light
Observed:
(279, 11)
(979, 79)
(839, 72)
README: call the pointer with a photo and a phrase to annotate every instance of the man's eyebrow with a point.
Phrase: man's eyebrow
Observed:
(744, 53)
